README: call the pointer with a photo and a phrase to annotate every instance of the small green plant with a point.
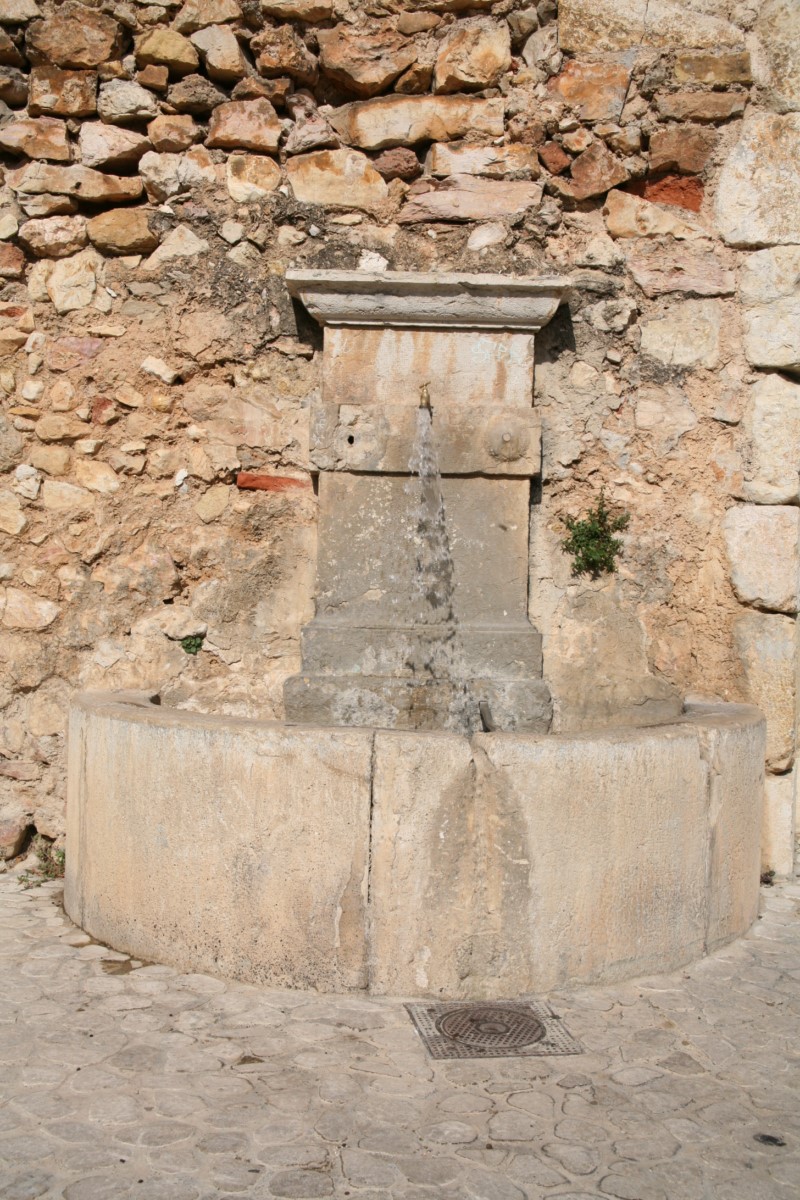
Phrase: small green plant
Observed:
(192, 644)
(591, 540)
(50, 865)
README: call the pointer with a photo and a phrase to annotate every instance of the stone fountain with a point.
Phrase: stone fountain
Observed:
(413, 828)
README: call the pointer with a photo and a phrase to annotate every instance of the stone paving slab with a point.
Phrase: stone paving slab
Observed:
(120, 1079)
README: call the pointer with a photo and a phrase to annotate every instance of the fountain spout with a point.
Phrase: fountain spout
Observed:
(425, 396)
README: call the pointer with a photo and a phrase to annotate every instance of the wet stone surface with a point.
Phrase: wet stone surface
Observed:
(120, 1080)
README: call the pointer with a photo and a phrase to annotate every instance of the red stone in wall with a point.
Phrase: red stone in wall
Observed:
(682, 191)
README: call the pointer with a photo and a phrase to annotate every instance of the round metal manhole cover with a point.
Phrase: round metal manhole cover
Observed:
(488, 1025)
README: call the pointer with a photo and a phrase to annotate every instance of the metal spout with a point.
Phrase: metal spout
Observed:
(424, 396)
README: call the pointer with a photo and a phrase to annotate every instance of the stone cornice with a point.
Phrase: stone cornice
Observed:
(407, 299)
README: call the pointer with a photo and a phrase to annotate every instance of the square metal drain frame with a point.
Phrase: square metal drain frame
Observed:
(491, 1029)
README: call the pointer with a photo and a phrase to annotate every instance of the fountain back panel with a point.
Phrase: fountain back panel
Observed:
(422, 582)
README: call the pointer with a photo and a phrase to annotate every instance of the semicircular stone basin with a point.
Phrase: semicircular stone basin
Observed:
(411, 863)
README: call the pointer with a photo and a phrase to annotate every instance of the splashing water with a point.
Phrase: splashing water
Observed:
(434, 578)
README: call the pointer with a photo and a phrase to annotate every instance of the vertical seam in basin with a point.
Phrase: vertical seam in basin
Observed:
(368, 913)
(707, 753)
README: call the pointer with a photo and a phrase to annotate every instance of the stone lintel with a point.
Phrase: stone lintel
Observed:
(428, 301)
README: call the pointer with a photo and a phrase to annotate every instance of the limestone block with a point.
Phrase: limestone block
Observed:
(699, 66)
(72, 282)
(12, 517)
(54, 237)
(494, 161)
(75, 36)
(171, 134)
(595, 26)
(778, 828)
(342, 178)
(281, 51)
(770, 275)
(232, 847)
(37, 137)
(770, 290)
(766, 647)
(687, 335)
(40, 178)
(487, 527)
(244, 125)
(490, 439)
(96, 476)
(684, 148)
(777, 55)
(594, 172)
(122, 100)
(65, 497)
(15, 12)
(772, 423)
(664, 415)
(594, 91)
(15, 821)
(465, 198)
(165, 175)
(466, 367)
(250, 177)
(473, 56)
(772, 334)
(212, 504)
(62, 93)
(762, 546)
(197, 14)
(221, 53)
(756, 202)
(195, 94)
(406, 120)
(24, 610)
(166, 47)
(123, 231)
(732, 746)
(474, 892)
(109, 146)
(365, 61)
(628, 216)
(659, 270)
(298, 10)
(701, 106)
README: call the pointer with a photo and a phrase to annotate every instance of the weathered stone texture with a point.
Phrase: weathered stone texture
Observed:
(687, 335)
(76, 36)
(773, 428)
(472, 56)
(766, 646)
(465, 198)
(629, 217)
(762, 545)
(594, 26)
(756, 202)
(777, 58)
(779, 826)
(244, 125)
(365, 62)
(594, 91)
(405, 121)
(339, 177)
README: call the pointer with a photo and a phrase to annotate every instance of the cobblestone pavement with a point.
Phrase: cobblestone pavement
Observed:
(121, 1080)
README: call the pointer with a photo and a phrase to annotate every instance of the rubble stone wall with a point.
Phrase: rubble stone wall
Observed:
(163, 165)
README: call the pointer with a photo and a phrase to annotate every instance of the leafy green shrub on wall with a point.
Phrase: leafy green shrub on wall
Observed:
(591, 540)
